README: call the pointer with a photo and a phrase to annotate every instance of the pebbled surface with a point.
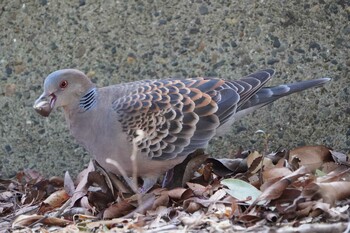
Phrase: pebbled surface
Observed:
(120, 41)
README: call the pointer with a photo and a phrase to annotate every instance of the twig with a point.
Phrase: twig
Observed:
(140, 135)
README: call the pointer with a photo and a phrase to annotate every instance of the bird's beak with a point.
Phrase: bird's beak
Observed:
(44, 104)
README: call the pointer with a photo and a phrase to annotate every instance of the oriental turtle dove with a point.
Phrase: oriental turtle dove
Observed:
(175, 116)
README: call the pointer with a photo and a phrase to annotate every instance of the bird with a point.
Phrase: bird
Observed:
(170, 118)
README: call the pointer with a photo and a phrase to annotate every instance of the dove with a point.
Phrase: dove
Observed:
(171, 118)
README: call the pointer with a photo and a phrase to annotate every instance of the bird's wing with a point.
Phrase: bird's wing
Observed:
(178, 116)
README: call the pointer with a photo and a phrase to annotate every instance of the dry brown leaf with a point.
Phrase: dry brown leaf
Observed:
(288, 196)
(193, 166)
(57, 198)
(304, 208)
(249, 219)
(98, 179)
(119, 184)
(26, 220)
(161, 200)
(224, 167)
(198, 190)
(341, 172)
(118, 209)
(329, 167)
(176, 193)
(82, 187)
(207, 172)
(107, 223)
(184, 171)
(275, 172)
(191, 206)
(144, 205)
(187, 194)
(99, 199)
(256, 161)
(268, 183)
(311, 157)
(56, 181)
(32, 196)
(275, 190)
(5, 208)
(276, 157)
(334, 191)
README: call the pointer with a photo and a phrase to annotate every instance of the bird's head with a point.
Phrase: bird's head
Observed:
(61, 89)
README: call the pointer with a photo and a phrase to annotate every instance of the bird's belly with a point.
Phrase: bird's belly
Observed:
(106, 142)
(145, 166)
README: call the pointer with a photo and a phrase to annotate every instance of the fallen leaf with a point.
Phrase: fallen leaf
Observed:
(176, 193)
(241, 190)
(161, 200)
(275, 190)
(68, 184)
(193, 166)
(184, 171)
(118, 209)
(334, 191)
(275, 172)
(191, 206)
(82, 187)
(256, 161)
(218, 195)
(311, 157)
(198, 190)
(99, 199)
(224, 167)
(26, 220)
(55, 200)
(340, 158)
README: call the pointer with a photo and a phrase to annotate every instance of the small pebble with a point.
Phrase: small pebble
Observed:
(299, 50)
(43, 2)
(203, 10)
(314, 45)
(234, 44)
(194, 31)
(272, 61)
(162, 22)
(276, 42)
(8, 70)
(8, 149)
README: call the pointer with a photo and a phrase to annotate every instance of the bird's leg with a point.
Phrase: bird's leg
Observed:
(168, 178)
(148, 183)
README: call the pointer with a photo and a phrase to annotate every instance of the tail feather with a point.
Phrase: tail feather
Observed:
(267, 95)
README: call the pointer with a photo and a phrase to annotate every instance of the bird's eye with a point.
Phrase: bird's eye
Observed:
(64, 84)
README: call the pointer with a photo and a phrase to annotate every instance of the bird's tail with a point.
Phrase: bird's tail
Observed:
(267, 95)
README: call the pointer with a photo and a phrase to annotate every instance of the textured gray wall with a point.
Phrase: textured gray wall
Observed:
(120, 41)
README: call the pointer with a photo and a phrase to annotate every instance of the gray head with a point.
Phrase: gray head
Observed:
(62, 88)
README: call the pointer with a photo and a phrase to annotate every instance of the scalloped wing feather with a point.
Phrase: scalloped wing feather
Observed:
(180, 116)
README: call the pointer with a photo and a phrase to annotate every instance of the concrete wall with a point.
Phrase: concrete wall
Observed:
(119, 41)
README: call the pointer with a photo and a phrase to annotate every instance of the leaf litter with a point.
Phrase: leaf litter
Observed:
(286, 191)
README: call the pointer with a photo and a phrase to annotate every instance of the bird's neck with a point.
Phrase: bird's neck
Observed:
(88, 101)
(80, 117)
